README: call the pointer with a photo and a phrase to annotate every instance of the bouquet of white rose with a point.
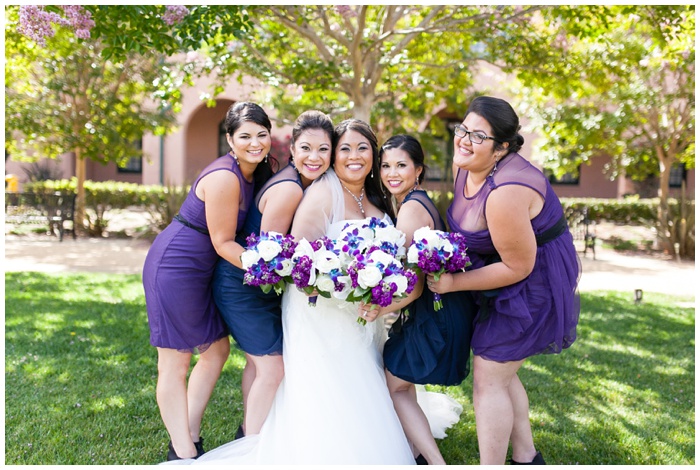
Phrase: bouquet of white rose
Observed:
(317, 267)
(267, 262)
(370, 255)
(435, 252)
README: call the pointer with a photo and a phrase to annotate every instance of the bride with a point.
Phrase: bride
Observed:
(333, 406)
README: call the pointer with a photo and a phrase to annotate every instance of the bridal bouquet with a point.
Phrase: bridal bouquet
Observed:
(378, 278)
(267, 261)
(370, 254)
(437, 252)
(317, 267)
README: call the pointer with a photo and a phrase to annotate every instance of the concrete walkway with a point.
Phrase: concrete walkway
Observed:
(610, 271)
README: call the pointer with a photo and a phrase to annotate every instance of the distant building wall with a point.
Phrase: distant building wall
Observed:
(178, 157)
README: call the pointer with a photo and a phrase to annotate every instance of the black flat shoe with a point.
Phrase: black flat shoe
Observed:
(420, 460)
(538, 460)
(199, 446)
(239, 433)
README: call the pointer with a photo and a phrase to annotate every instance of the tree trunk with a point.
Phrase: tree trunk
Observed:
(80, 171)
(664, 232)
(362, 108)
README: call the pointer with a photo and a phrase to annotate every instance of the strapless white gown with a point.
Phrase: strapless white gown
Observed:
(333, 405)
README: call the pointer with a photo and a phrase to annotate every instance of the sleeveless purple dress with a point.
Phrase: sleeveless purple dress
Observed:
(178, 271)
(539, 314)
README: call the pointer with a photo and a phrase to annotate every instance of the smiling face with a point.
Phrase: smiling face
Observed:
(312, 154)
(250, 143)
(353, 158)
(399, 173)
(476, 158)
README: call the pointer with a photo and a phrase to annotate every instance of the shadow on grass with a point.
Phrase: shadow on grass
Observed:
(80, 380)
(80, 373)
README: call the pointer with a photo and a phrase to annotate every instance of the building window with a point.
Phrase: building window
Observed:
(677, 176)
(133, 165)
(224, 147)
(566, 178)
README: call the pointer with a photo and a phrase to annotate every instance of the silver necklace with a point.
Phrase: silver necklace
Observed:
(399, 204)
(358, 200)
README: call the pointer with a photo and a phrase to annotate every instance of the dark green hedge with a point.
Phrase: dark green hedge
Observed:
(103, 196)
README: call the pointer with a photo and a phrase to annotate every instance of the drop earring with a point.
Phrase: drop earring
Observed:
(266, 157)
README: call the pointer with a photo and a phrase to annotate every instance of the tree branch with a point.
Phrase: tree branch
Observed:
(305, 31)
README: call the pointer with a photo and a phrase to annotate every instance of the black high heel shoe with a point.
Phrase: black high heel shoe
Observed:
(538, 460)
(199, 446)
(420, 460)
(171, 452)
(239, 433)
(172, 455)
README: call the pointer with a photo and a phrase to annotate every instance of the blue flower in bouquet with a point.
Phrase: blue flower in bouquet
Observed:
(267, 261)
(360, 236)
(435, 252)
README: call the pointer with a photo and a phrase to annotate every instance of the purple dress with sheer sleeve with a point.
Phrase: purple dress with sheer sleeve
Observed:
(178, 270)
(539, 314)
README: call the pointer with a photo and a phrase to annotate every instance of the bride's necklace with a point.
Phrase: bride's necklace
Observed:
(358, 200)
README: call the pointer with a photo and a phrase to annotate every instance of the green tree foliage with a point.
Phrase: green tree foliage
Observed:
(66, 98)
(92, 81)
(391, 65)
(616, 81)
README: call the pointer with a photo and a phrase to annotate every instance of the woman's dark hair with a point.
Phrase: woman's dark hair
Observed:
(245, 111)
(501, 116)
(312, 119)
(411, 146)
(373, 183)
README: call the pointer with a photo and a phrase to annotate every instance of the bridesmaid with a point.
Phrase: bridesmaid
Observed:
(525, 267)
(253, 317)
(428, 347)
(178, 271)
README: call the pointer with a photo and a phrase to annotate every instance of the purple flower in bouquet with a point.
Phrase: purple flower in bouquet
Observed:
(267, 261)
(435, 252)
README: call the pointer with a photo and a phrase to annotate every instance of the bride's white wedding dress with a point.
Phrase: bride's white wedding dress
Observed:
(333, 405)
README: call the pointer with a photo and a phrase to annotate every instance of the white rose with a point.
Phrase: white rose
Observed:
(249, 258)
(413, 254)
(326, 261)
(287, 266)
(324, 283)
(269, 249)
(379, 256)
(369, 277)
(400, 281)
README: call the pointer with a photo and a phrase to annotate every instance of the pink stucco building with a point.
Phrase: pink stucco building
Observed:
(179, 157)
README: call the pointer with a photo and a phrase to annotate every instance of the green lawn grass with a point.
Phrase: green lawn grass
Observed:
(80, 381)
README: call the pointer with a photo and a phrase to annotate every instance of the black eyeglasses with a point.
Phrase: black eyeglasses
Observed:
(476, 137)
